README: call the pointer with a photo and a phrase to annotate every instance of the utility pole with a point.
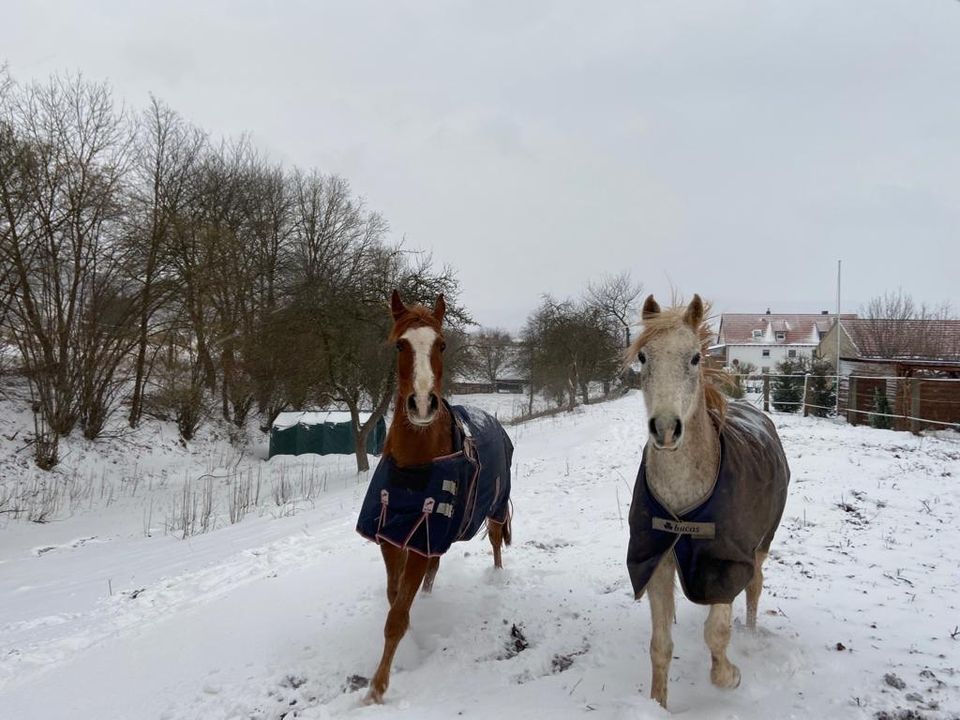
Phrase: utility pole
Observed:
(837, 387)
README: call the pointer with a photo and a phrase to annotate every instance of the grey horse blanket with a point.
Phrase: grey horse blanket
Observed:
(427, 508)
(715, 542)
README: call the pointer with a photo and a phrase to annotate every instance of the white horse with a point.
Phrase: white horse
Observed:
(709, 495)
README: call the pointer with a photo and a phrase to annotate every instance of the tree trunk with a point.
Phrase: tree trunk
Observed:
(136, 402)
(360, 433)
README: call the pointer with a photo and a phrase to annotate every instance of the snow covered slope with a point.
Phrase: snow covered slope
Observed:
(274, 616)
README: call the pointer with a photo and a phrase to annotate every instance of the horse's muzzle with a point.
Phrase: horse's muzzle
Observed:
(422, 411)
(666, 432)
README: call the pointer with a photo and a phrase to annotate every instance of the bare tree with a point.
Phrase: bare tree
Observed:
(141, 261)
(615, 297)
(166, 154)
(895, 325)
(492, 349)
(567, 345)
(64, 159)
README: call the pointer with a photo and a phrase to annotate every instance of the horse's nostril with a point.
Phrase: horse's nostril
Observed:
(434, 402)
(652, 427)
(677, 430)
(412, 403)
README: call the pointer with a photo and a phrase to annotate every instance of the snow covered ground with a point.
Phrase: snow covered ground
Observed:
(107, 612)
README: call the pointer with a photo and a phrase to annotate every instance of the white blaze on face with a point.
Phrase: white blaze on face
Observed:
(421, 341)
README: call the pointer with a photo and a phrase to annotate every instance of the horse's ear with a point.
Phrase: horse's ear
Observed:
(694, 314)
(439, 308)
(396, 305)
(650, 308)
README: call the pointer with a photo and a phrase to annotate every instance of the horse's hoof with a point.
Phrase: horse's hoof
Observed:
(727, 678)
(374, 697)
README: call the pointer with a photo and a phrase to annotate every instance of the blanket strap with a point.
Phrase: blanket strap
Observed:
(427, 509)
(384, 501)
(696, 530)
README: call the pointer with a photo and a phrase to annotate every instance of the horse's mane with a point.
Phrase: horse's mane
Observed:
(670, 319)
(416, 315)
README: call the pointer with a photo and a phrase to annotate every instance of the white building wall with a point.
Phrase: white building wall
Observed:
(753, 354)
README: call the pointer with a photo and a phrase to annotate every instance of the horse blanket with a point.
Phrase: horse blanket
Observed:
(714, 543)
(427, 508)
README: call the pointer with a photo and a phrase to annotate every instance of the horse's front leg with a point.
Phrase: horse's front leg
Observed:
(393, 560)
(662, 611)
(716, 632)
(398, 620)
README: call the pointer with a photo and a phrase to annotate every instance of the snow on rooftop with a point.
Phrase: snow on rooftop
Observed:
(289, 419)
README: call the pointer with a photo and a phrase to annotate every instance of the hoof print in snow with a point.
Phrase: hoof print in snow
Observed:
(548, 547)
(355, 682)
(561, 663)
(928, 674)
(894, 681)
(899, 714)
(516, 644)
(294, 682)
(840, 647)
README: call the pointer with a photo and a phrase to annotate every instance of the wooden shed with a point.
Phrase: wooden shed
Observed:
(924, 393)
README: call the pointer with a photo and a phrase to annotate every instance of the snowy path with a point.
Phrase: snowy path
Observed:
(270, 617)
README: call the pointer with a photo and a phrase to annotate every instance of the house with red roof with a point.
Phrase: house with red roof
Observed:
(765, 339)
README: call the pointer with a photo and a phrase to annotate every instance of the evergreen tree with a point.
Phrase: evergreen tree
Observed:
(881, 405)
(822, 390)
(788, 384)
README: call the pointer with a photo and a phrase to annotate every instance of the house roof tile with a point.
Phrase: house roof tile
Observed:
(803, 329)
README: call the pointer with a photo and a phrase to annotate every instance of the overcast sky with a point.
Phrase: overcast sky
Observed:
(736, 149)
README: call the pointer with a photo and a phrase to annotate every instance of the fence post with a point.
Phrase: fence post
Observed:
(806, 386)
(766, 392)
(914, 405)
(852, 415)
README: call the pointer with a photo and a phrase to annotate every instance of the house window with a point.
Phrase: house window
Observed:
(781, 336)
(765, 370)
(765, 352)
(757, 334)
(791, 353)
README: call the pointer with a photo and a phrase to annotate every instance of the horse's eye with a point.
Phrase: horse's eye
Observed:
(399, 345)
(443, 346)
(695, 360)
(641, 356)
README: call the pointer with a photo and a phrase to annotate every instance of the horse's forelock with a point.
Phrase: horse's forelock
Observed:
(416, 316)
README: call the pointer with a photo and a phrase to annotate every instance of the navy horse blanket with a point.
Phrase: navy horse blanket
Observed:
(427, 508)
(714, 543)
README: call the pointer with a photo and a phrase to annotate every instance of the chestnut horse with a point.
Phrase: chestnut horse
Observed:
(709, 494)
(445, 471)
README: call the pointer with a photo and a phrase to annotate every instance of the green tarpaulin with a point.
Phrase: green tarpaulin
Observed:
(323, 433)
